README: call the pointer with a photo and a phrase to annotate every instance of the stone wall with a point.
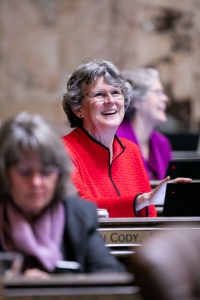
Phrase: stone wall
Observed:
(42, 41)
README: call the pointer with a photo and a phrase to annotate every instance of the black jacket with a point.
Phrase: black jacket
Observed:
(83, 242)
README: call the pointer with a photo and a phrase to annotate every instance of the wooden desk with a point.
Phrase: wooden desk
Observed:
(123, 236)
(114, 286)
(132, 232)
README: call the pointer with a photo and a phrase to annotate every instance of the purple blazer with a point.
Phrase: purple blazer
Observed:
(160, 150)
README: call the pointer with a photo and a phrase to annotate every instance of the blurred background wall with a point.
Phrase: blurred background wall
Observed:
(43, 41)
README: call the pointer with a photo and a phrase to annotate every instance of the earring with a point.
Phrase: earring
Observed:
(80, 115)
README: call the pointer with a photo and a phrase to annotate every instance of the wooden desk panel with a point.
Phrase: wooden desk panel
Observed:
(129, 236)
(113, 286)
(130, 232)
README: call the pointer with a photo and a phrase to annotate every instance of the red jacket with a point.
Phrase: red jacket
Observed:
(115, 185)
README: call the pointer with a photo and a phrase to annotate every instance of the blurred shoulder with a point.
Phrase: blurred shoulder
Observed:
(160, 137)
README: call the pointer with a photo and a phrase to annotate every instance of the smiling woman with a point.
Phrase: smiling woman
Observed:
(107, 170)
(102, 109)
(147, 109)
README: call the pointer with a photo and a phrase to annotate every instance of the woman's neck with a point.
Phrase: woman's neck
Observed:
(105, 137)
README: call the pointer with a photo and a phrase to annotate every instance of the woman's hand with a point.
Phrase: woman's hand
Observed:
(157, 196)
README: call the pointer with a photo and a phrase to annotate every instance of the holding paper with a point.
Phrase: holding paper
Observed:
(157, 196)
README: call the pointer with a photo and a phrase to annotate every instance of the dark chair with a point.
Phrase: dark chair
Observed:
(167, 266)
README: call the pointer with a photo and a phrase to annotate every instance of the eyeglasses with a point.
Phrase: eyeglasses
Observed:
(44, 171)
(102, 95)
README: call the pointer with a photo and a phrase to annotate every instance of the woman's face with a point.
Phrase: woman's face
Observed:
(32, 185)
(103, 106)
(153, 107)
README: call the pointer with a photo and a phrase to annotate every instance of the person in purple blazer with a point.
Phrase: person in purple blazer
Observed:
(146, 111)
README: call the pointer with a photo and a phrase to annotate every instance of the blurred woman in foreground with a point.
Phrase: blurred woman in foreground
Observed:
(40, 215)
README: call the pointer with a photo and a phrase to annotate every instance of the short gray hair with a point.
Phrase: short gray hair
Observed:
(86, 74)
(27, 133)
(141, 81)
